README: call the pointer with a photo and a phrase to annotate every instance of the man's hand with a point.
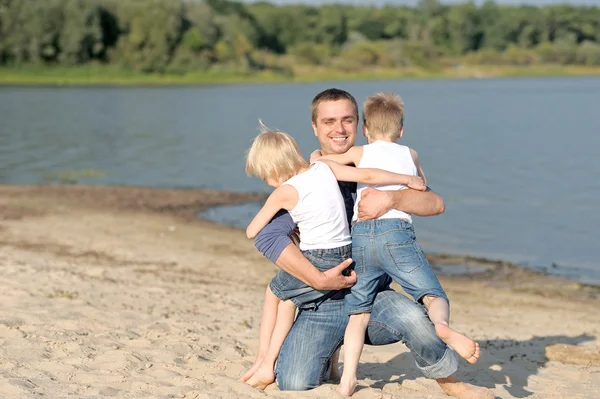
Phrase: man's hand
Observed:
(373, 203)
(334, 278)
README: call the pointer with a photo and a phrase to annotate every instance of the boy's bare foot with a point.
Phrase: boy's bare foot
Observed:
(347, 386)
(252, 370)
(262, 378)
(462, 390)
(463, 345)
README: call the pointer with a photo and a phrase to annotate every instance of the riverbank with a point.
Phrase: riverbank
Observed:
(112, 76)
(117, 291)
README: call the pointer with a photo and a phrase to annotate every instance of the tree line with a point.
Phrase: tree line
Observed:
(182, 35)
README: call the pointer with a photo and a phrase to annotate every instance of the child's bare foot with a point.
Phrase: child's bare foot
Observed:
(262, 378)
(463, 345)
(252, 370)
(347, 386)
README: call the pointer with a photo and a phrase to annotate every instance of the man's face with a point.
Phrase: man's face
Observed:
(336, 126)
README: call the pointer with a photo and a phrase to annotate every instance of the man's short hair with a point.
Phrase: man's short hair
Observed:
(383, 115)
(274, 154)
(331, 95)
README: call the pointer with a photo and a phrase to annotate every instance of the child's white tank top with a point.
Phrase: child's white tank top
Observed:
(388, 156)
(320, 213)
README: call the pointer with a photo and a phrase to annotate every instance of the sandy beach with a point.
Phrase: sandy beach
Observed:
(124, 292)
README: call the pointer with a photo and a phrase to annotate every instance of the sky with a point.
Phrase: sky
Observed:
(413, 2)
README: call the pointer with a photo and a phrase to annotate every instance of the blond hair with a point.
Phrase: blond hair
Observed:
(331, 95)
(383, 115)
(274, 154)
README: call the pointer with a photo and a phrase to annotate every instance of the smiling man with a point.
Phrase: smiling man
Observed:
(334, 121)
(305, 358)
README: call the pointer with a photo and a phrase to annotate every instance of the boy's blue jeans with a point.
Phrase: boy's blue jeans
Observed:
(388, 246)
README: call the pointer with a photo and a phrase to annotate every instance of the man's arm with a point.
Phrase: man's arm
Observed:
(274, 242)
(374, 203)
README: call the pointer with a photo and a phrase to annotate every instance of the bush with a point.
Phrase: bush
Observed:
(311, 53)
(514, 55)
(588, 53)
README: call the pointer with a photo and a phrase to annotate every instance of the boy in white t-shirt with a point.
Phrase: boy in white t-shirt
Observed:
(388, 244)
(311, 195)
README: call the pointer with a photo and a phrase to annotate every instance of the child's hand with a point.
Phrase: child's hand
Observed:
(417, 183)
(314, 155)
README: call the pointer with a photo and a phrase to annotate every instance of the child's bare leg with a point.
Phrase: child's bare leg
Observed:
(354, 340)
(439, 313)
(264, 375)
(267, 324)
(335, 366)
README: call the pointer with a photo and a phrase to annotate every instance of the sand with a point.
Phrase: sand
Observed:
(124, 292)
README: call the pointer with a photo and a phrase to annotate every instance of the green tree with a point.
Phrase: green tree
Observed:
(151, 30)
(81, 34)
(311, 53)
(182, 35)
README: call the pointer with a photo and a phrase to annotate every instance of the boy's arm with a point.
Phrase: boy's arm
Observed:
(273, 242)
(283, 197)
(352, 156)
(373, 176)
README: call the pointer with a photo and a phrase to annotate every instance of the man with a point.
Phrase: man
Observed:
(305, 358)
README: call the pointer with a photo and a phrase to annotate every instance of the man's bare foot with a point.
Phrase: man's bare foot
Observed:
(463, 345)
(347, 386)
(462, 390)
(262, 378)
(252, 370)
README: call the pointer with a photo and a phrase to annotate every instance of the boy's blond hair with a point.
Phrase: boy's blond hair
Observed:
(274, 154)
(383, 115)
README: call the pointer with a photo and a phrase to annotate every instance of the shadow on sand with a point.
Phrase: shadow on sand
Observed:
(524, 358)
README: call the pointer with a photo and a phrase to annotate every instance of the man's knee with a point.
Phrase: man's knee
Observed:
(397, 309)
(295, 382)
(403, 316)
(419, 327)
(300, 376)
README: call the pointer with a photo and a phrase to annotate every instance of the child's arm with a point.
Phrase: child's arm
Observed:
(374, 176)
(283, 197)
(415, 158)
(352, 156)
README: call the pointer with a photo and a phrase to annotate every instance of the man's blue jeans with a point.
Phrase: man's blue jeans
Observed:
(316, 334)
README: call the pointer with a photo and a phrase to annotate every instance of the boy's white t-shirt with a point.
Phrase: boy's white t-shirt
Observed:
(320, 213)
(388, 156)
